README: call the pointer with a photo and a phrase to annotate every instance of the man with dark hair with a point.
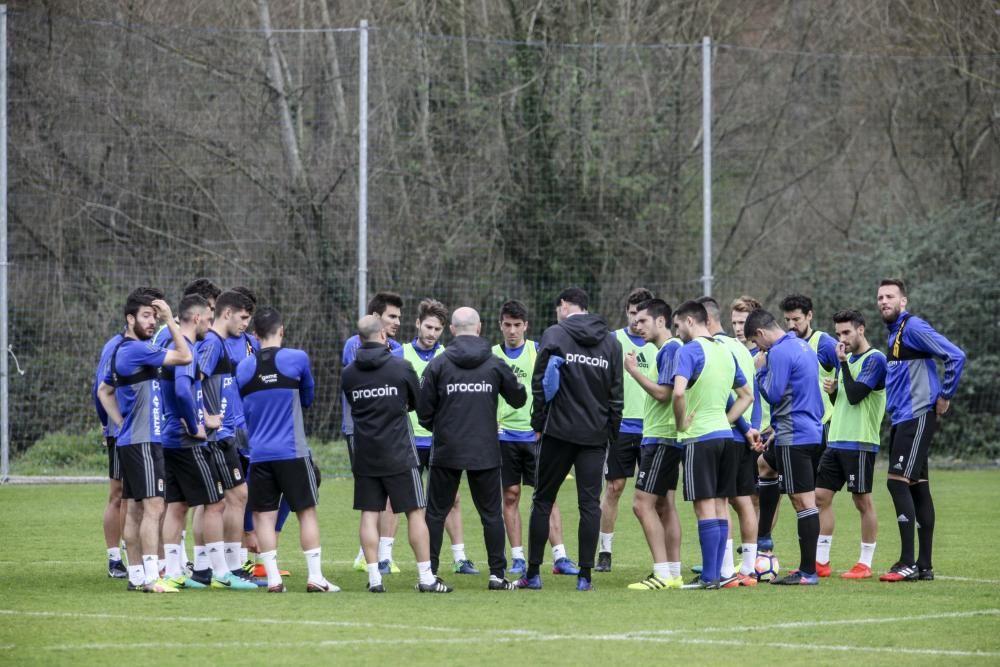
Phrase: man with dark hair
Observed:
(858, 407)
(623, 454)
(788, 378)
(204, 288)
(276, 384)
(130, 394)
(381, 388)
(915, 398)
(576, 410)
(222, 414)
(389, 308)
(518, 449)
(459, 394)
(703, 376)
(798, 311)
(431, 320)
(745, 477)
(114, 510)
(654, 502)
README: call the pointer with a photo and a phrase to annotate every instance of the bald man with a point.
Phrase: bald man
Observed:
(459, 391)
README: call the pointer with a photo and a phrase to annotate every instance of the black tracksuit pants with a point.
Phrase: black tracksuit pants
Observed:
(487, 495)
(555, 459)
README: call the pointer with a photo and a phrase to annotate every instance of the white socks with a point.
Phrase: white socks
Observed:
(424, 572)
(150, 568)
(314, 563)
(727, 569)
(374, 576)
(233, 555)
(216, 556)
(458, 552)
(517, 552)
(270, 561)
(114, 553)
(867, 553)
(823, 548)
(174, 565)
(244, 555)
(604, 539)
(749, 558)
(136, 575)
(201, 561)
(662, 570)
(674, 569)
(558, 551)
(385, 548)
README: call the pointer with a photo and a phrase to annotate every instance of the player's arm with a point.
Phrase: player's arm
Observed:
(658, 391)
(774, 377)
(547, 351)
(616, 395)
(827, 353)
(871, 378)
(184, 388)
(920, 336)
(180, 355)
(412, 383)
(512, 391)
(106, 395)
(307, 386)
(428, 403)
(680, 402)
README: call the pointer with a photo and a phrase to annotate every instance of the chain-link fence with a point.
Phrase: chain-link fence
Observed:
(498, 170)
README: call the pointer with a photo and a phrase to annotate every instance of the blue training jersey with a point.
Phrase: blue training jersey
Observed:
(103, 365)
(346, 359)
(790, 383)
(276, 384)
(134, 373)
(912, 386)
(218, 385)
(181, 390)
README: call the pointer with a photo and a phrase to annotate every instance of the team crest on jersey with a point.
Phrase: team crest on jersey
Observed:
(237, 475)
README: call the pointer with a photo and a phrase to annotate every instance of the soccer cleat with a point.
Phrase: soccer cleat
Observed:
(901, 572)
(747, 580)
(160, 586)
(182, 581)
(796, 578)
(603, 562)
(384, 567)
(321, 587)
(859, 571)
(565, 566)
(699, 584)
(203, 577)
(240, 573)
(378, 588)
(248, 567)
(260, 572)
(464, 567)
(117, 569)
(360, 565)
(519, 567)
(279, 588)
(498, 584)
(823, 569)
(584, 584)
(765, 544)
(532, 583)
(393, 569)
(188, 568)
(696, 568)
(437, 587)
(135, 587)
(732, 581)
(926, 574)
(651, 583)
(232, 581)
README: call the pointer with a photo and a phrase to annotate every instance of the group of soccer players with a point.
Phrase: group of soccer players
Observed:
(209, 417)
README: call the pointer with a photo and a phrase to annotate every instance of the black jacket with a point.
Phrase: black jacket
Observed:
(587, 408)
(458, 402)
(381, 389)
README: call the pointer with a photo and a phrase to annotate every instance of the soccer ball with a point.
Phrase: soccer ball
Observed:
(766, 567)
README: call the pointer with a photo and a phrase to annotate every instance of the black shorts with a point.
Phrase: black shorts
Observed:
(142, 470)
(910, 445)
(850, 466)
(293, 478)
(227, 463)
(114, 466)
(797, 465)
(404, 490)
(746, 472)
(659, 468)
(623, 456)
(242, 437)
(191, 477)
(710, 469)
(518, 463)
(423, 459)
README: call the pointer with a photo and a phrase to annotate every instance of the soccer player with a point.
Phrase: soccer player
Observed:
(623, 454)
(380, 388)
(517, 443)
(915, 398)
(654, 501)
(191, 480)
(431, 320)
(788, 378)
(232, 316)
(745, 478)
(858, 407)
(276, 384)
(114, 511)
(389, 307)
(458, 402)
(798, 312)
(576, 408)
(130, 394)
(704, 374)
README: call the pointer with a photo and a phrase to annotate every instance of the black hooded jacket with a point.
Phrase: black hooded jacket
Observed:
(587, 408)
(381, 389)
(458, 402)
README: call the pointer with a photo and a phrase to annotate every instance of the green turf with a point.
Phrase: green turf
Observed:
(57, 606)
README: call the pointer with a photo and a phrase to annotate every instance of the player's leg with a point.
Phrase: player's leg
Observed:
(647, 507)
(798, 470)
(113, 513)
(442, 484)
(388, 524)
(746, 512)
(483, 485)
(456, 533)
(589, 468)
(769, 493)
(833, 472)
(622, 457)
(906, 439)
(561, 562)
(554, 461)
(729, 472)
(511, 473)
(298, 483)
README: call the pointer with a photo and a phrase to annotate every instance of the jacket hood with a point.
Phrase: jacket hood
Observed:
(372, 355)
(468, 351)
(586, 329)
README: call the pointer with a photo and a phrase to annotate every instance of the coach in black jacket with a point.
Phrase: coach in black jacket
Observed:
(381, 389)
(458, 402)
(576, 411)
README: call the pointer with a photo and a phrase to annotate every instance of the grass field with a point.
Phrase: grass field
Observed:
(57, 606)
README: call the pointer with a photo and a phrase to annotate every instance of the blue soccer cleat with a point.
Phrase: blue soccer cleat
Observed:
(584, 584)
(533, 583)
(765, 544)
(519, 567)
(797, 578)
(465, 567)
(565, 566)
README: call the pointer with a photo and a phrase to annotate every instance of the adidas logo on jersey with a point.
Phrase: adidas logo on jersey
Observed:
(599, 362)
(469, 388)
(640, 360)
(377, 392)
